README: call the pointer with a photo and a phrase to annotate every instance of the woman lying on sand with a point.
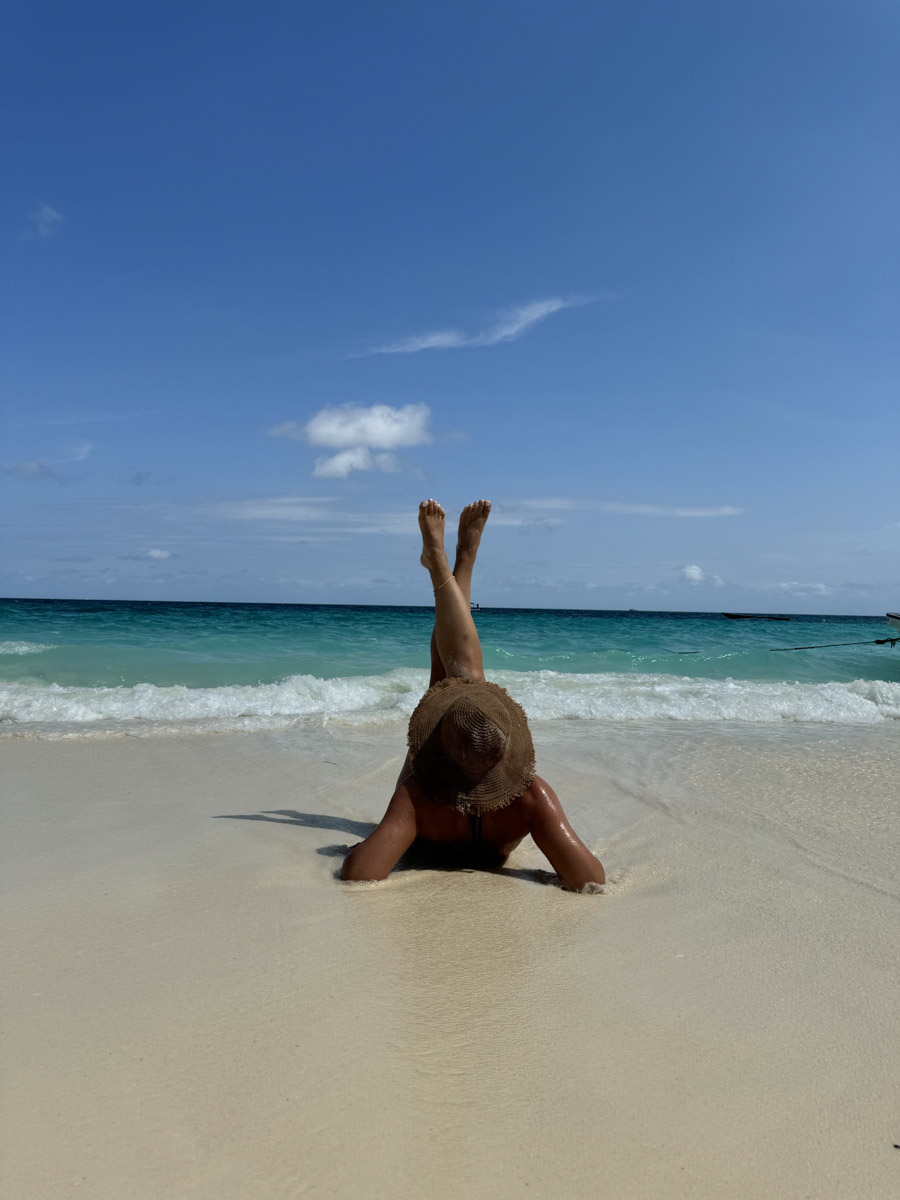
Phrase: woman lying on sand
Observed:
(468, 784)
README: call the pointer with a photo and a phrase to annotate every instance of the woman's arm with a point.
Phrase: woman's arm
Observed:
(377, 856)
(555, 837)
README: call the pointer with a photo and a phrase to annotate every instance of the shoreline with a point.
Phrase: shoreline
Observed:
(200, 1009)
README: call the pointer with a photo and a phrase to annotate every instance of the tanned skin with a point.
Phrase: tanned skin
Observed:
(411, 813)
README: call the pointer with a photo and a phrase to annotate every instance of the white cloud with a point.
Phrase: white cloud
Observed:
(694, 574)
(339, 465)
(508, 325)
(355, 431)
(159, 554)
(664, 510)
(379, 427)
(45, 220)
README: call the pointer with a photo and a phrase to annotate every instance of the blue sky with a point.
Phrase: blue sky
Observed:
(273, 273)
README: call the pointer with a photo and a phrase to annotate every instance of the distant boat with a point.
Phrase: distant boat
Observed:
(752, 617)
(894, 619)
(473, 605)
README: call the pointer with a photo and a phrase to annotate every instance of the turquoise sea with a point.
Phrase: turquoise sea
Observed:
(78, 667)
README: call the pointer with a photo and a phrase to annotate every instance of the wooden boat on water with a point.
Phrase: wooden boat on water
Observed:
(894, 619)
(752, 617)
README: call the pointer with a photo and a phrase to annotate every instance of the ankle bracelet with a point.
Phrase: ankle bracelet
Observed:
(444, 584)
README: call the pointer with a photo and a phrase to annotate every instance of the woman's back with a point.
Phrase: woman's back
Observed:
(495, 833)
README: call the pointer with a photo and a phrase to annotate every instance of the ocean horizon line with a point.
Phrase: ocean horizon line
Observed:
(320, 604)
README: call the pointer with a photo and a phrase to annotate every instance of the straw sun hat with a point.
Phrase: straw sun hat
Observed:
(469, 745)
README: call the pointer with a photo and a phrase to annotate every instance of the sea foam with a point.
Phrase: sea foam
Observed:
(24, 647)
(54, 711)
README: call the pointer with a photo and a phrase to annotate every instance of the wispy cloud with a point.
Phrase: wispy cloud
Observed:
(32, 469)
(665, 510)
(533, 513)
(506, 326)
(793, 588)
(45, 469)
(795, 416)
(86, 419)
(45, 220)
(154, 555)
(143, 478)
(355, 431)
(269, 508)
(313, 511)
(545, 503)
(549, 510)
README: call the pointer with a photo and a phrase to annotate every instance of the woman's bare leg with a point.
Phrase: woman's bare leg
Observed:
(455, 635)
(472, 520)
(455, 608)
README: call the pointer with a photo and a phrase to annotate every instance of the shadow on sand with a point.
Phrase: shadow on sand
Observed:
(420, 856)
(289, 816)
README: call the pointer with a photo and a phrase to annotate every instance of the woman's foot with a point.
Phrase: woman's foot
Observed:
(472, 521)
(431, 522)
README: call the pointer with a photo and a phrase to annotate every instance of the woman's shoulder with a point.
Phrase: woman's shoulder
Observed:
(537, 795)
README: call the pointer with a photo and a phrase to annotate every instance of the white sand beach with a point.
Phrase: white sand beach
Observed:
(195, 1007)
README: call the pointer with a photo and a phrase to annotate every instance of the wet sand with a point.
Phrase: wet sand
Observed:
(196, 1007)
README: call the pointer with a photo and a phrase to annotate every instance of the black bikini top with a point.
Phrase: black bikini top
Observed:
(475, 825)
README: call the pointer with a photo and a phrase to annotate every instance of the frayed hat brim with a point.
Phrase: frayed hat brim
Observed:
(441, 777)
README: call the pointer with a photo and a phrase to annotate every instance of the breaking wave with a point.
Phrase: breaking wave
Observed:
(56, 711)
